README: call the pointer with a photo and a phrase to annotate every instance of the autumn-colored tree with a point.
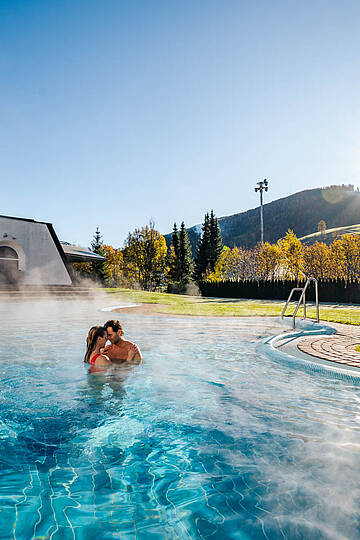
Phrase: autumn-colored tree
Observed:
(82, 270)
(322, 229)
(250, 263)
(221, 270)
(269, 260)
(317, 261)
(345, 257)
(144, 257)
(113, 266)
(291, 255)
(235, 264)
(291, 260)
(133, 257)
(155, 251)
(172, 263)
(322, 226)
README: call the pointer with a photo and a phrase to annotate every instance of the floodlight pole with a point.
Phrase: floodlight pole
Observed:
(263, 186)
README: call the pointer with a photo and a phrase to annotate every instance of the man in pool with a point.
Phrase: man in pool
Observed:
(120, 350)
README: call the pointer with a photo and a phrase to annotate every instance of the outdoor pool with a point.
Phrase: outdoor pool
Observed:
(209, 438)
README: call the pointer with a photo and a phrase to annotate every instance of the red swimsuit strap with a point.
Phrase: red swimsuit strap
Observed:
(93, 360)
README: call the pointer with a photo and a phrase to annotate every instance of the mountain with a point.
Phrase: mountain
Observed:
(337, 205)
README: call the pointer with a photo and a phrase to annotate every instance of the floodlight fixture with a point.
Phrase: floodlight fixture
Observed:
(262, 186)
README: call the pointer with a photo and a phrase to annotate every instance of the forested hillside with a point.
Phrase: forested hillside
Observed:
(337, 205)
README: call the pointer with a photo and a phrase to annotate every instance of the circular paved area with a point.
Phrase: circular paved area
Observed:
(339, 347)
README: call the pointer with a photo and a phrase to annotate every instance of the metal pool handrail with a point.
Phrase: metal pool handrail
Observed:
(303, 300)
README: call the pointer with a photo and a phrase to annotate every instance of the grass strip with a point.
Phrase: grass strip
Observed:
(176, 304)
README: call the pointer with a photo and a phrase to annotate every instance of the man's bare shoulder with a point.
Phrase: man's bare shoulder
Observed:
(136, 352)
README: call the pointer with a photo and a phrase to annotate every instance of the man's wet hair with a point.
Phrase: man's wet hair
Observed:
(115, 325)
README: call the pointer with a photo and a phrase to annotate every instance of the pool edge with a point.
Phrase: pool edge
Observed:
(292, 355)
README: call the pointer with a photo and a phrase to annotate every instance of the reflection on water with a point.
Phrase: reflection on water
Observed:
(208, 438)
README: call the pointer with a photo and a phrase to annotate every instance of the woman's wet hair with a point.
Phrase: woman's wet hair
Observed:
(94, 333)
(115, 325)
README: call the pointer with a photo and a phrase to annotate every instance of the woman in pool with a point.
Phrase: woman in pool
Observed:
(95, 341)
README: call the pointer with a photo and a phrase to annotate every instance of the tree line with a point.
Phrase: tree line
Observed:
(145, 261)
(288, 258)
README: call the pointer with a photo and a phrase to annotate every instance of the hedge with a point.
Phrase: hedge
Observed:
(329, 291)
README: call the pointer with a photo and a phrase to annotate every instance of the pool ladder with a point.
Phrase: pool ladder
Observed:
(303, 300)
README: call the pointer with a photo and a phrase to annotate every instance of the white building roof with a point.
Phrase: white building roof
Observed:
(80, 254)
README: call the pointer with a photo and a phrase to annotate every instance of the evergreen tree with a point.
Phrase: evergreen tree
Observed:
(97, 242)
(203, 250)
(98, 270)
(216, 245)
(173, 256)
(175, 240)
(186, 265)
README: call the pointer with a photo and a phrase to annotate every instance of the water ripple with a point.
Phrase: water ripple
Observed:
(207, 439)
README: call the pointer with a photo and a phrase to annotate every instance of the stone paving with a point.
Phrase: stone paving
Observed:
(339, 347)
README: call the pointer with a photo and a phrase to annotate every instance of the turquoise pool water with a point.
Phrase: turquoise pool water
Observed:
(209, 438)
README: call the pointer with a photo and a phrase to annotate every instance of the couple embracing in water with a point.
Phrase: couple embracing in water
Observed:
(120, 351)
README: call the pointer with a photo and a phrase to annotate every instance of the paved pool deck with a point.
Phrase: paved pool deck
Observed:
(339, 347)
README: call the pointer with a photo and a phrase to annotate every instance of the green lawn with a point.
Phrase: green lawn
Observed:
(227, 307)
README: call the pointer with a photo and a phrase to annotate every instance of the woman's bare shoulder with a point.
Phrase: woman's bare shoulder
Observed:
(102, 360)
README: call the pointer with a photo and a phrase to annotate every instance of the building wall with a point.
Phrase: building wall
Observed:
(39, 260)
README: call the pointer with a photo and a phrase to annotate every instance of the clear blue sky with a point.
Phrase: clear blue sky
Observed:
(113, 112)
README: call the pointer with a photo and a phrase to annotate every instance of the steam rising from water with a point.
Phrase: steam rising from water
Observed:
(207, 438)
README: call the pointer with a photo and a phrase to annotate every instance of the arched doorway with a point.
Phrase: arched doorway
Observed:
(9, 266)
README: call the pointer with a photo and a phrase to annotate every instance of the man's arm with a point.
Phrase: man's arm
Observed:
(110, 351)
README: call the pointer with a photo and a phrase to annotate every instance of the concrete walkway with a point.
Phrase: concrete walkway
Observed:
(339, 347)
